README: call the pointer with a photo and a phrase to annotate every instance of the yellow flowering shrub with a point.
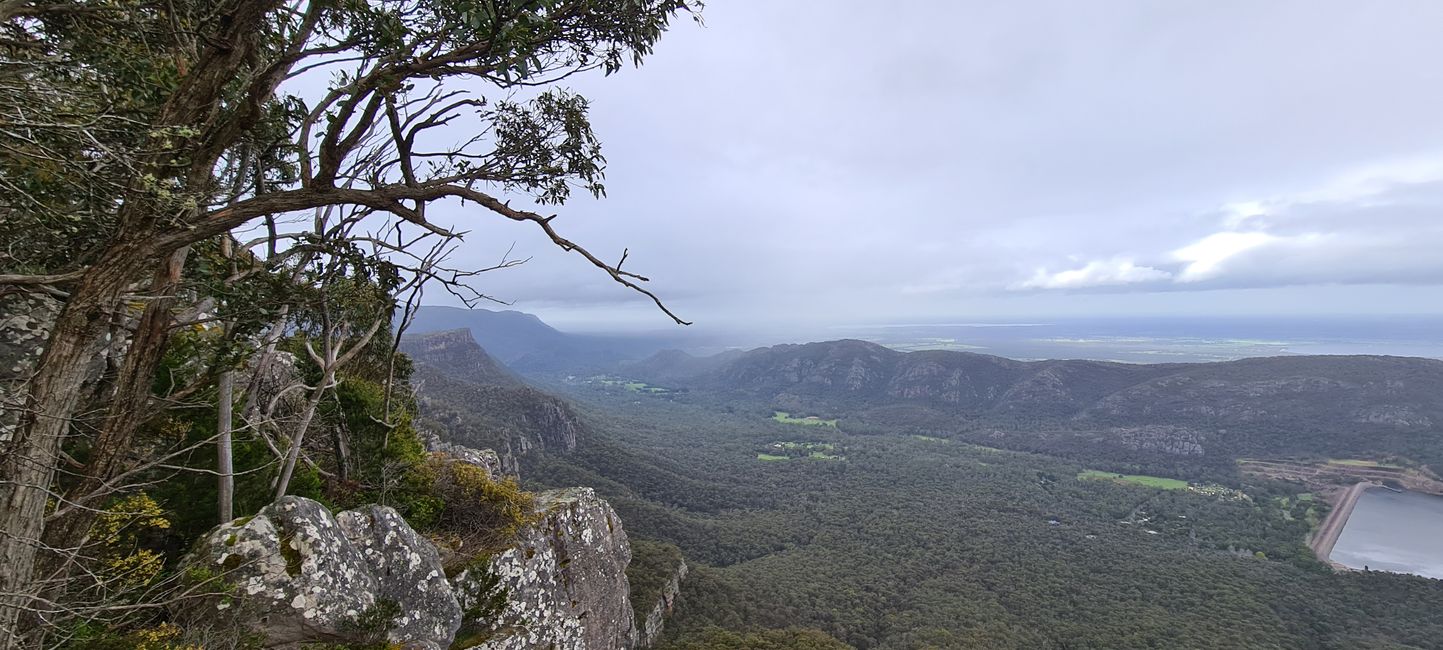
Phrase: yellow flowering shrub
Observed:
(161, 637)
(125, 565)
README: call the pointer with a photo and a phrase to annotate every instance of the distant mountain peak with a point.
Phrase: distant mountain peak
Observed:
(456, 353)
(527, 345)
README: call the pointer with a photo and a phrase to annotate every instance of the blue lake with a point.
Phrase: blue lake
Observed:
(1401, 532)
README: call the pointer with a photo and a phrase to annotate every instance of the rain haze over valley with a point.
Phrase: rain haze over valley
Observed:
(1224, 173)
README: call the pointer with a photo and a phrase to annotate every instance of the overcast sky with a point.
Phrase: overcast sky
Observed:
(848, 162)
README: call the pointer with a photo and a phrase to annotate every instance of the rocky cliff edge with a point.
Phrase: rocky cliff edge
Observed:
(296, 574)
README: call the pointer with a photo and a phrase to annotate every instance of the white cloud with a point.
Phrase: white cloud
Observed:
(1205, 257)
(1096, 273)
(1359, 186)
(997, 139)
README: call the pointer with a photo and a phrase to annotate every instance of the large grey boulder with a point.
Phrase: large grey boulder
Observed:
(295, 574)
(562, 585)
(409, 573)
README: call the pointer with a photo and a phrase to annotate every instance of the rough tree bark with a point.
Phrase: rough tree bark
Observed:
(33, 455)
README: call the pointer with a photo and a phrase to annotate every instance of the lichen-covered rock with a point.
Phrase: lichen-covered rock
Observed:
(486, 459)
(294, 576)
(562, 585)
(409, 574)
(25, 321)
(268, 378)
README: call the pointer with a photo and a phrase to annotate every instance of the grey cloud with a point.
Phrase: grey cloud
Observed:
(848, 161)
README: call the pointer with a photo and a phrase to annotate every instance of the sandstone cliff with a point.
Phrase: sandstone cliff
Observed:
(656, 572)
(469, 398)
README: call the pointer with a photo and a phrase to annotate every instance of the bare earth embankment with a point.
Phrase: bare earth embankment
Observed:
(1327, 536)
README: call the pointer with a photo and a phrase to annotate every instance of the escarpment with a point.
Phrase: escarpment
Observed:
(469, 398)
(296, 574)
(656, 572)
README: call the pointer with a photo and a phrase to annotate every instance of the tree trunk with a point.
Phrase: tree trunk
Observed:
(225, 481)
(294, 453)
(130, 408)
(27, 471)
(261, 367)
(343, 454)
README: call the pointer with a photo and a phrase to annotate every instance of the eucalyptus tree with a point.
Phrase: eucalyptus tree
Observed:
(134, 132)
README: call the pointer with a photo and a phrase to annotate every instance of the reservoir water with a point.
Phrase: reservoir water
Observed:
(1400, 532)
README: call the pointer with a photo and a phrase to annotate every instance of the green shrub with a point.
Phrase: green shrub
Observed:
(477, 515)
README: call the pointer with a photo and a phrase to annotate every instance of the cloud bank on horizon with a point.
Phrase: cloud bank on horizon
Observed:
(846, 161)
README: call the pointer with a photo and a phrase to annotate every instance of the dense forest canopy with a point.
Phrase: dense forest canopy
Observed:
(914, 541)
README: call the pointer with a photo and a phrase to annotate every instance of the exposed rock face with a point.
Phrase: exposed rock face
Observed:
(1403, 417)
(651, 628)
(24, 326)
(486, 459)
(564, 583)
(468, 398)
(25, 322)
(280, 372)
(299, 575)
(408, 571)
(302, 576)
(517, 418)
(296, 575)
(1177, 441)
(457, 354)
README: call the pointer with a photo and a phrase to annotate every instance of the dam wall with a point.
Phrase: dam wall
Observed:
(1327, 536)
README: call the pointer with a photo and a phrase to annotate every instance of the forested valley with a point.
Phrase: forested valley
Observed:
(914, 540)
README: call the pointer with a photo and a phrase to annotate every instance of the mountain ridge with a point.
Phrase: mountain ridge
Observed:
(1354, 404)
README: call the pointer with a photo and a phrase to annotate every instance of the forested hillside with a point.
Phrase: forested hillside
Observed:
(1184, 415)
(847, 493)
(525, 343)
(468, 398)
